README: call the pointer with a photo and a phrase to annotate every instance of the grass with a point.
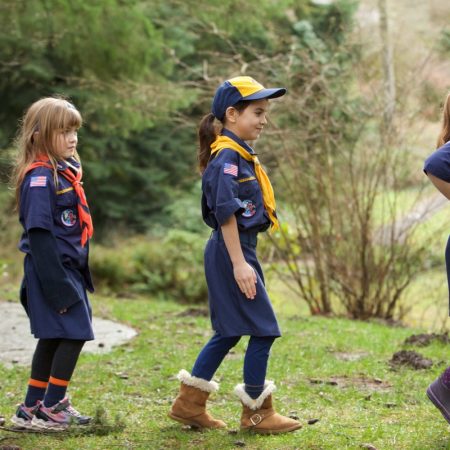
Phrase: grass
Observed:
(135, 384)
(426, 301)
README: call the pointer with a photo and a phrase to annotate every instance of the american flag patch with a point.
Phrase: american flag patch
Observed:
(38, 181)
(230, 169)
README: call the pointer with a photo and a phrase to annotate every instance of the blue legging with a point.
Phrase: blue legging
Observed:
(255, 361)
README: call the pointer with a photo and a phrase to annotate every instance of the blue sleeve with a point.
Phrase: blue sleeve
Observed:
(438, 163)
(222, 186)
(56, 286)
(37, 199)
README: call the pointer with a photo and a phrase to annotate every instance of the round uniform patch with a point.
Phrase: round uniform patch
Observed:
(250, 208)
(68, 218)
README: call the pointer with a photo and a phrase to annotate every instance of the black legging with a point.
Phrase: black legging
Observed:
(55, 357)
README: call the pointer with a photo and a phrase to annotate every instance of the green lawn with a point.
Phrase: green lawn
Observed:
(135, 384)
(370, 403)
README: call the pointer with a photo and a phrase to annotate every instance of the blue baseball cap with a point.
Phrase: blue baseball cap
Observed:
(240, 88)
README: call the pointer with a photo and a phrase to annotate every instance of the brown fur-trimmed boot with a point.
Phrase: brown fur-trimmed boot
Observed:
(190, 405)
(258, 414)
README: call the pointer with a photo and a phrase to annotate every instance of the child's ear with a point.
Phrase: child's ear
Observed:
(35, 137)
(231, 114)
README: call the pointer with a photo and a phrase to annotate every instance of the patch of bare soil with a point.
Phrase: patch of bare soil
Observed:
(350, 356)
(359, 382)
(410, 359)
(194, 312)
(422, 340)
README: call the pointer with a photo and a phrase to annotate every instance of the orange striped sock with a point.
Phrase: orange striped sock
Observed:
(58, 381)
(56, 391)
(35, 392)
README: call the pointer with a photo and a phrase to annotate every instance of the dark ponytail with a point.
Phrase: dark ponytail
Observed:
(444, 135)
(206, 135)
(208, 131)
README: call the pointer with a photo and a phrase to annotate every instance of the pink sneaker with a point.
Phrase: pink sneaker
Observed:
(24, 415)
(58, 417)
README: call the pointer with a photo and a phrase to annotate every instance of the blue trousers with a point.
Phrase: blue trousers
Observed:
(255, 361)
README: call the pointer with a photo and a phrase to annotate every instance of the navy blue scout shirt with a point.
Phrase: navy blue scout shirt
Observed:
(229, 187)
(438, 164)
(42, 205)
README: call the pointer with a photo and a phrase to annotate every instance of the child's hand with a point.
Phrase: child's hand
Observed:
(245, 277)
(62, 311)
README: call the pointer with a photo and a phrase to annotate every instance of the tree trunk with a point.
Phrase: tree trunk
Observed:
(388, 67)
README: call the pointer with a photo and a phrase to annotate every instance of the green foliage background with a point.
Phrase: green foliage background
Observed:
(143, 73)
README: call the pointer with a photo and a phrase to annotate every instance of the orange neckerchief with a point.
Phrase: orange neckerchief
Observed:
(87, 228)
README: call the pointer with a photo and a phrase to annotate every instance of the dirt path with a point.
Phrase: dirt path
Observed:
(421, 212)
(17, 344)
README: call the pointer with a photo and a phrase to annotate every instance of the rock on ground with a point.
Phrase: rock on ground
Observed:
(18, 344)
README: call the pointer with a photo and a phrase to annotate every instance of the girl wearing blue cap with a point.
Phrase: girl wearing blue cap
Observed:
(237, 203)
(57, 227)
(437, 167)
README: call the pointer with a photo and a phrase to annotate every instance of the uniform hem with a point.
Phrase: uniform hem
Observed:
(247, 333)
(76, 338)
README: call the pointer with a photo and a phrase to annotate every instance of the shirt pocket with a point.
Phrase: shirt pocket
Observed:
(248, 187)
(66, 197)
(66, 211)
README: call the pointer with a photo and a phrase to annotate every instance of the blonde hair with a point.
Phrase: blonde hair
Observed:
(444, 135)
(46, 116)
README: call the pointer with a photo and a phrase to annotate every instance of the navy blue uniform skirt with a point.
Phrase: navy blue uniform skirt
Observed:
(232, 314)
(46, 322)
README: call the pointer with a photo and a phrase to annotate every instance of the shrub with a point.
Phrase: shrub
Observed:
(169, 267)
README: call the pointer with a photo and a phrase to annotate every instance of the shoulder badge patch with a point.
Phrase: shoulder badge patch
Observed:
(230, 169)
(40, 181)
(250, 208)
(68, 218)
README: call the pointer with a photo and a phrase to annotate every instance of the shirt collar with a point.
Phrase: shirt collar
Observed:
(231, 135)
(62, 165)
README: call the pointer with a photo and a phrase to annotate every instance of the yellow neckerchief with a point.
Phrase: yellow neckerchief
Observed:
(223, 142)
